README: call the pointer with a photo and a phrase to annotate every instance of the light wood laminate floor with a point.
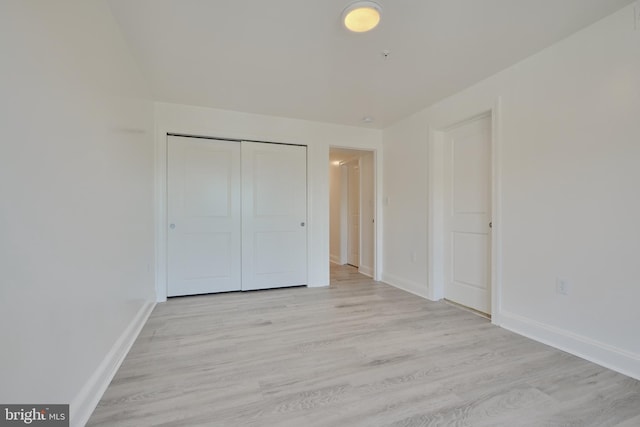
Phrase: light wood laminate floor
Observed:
(360, 353)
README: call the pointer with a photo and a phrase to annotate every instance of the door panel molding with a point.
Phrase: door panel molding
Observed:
(467, 214)
(203, 243)
(274, 216)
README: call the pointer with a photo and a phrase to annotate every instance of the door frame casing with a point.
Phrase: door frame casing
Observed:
(376, 164)
(436, 196)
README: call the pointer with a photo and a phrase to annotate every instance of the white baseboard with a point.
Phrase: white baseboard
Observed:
(367, 271)
(419, 289)
(326, 285)
(87, 399)
(619, 360)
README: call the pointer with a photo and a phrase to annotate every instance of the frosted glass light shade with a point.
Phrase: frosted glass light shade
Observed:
(361, 16)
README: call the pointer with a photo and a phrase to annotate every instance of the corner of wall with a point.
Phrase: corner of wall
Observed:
(89, 396)
(419, 289)
(589, 349)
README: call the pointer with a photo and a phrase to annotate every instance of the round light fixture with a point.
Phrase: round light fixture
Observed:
(361, 16)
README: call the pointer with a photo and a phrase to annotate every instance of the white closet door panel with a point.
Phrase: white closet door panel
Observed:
(468, 213)
(204, 216)
(274, 215)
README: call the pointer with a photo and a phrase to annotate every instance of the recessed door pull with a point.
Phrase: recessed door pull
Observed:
(302, 224)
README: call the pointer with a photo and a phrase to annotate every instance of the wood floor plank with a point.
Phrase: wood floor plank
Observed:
(360, 353)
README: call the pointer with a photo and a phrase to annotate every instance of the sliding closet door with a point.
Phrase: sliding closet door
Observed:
(274, 215)
(203, 216)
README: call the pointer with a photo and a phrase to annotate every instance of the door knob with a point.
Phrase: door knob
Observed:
(172, 226)
(302, 224)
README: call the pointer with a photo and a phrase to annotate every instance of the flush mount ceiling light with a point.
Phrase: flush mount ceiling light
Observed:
(361, 16)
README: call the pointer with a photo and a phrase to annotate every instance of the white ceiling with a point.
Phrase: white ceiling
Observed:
(293, 58)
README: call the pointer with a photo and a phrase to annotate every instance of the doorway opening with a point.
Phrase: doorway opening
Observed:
(352, 209)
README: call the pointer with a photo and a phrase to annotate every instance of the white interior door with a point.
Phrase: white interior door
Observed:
(468, 215)
(353, 213)
(274, 215)
(203, 215)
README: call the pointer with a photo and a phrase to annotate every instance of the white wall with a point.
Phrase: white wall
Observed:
(76, 186)
(191, 120)
(405, 205)
(569, 204)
